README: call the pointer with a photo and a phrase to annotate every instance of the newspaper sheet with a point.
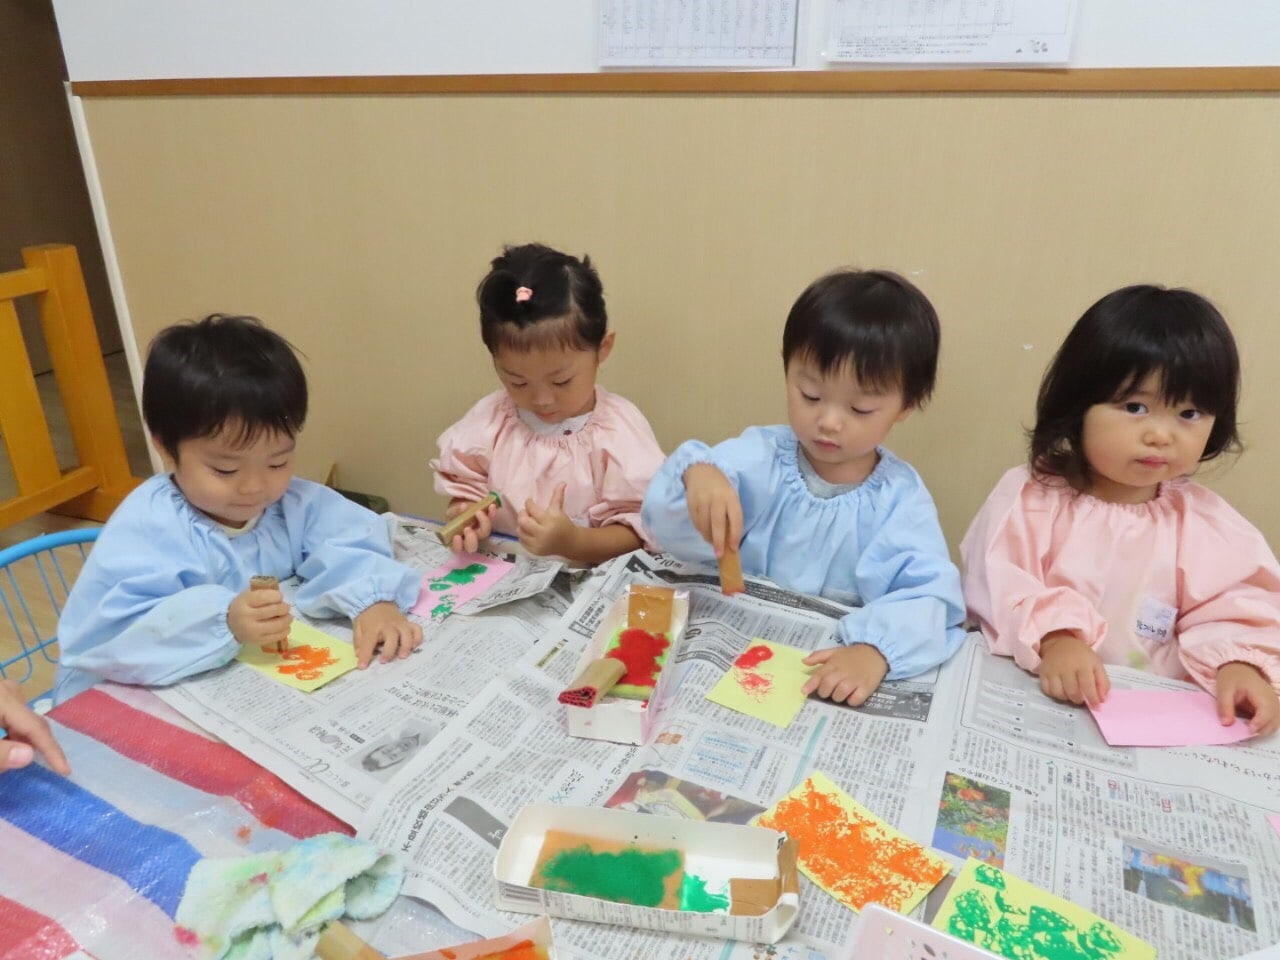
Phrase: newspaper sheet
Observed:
(1173, 845)
(339, 745)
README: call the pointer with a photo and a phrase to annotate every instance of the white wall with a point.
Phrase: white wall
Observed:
(153, 39)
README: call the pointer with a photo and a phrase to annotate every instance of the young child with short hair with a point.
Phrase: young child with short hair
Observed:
(570, 459)
(819, 506)
(1100, 549)
(165, 591)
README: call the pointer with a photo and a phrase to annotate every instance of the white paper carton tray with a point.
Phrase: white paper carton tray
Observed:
(761, 861)
(614, 718)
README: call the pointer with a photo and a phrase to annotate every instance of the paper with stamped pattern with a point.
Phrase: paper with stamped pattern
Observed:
(1013, 918)
(850, 852)
(765, 681)
(312, 658)
(450, 585)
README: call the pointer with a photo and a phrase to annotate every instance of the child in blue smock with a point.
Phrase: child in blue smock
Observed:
(165, 591)
(819, 506)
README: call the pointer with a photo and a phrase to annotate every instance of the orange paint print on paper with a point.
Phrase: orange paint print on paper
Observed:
(850, 852)
(312, 659)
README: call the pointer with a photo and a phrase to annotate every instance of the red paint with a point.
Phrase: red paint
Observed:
(186, 937)
(753, 657)
(758, 686)
(244, 833)
(639, 650)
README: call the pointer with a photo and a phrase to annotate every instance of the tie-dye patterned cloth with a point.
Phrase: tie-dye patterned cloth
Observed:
(273, 906)
(95, 864)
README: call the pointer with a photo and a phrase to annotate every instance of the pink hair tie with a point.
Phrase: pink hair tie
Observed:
(523, 294)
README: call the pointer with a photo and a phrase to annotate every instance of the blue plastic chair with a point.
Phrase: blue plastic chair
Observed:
(35, 577)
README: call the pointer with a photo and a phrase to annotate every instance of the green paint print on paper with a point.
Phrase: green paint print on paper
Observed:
(695, 897)
(630, 876)
(458, 578)
(1008, 916)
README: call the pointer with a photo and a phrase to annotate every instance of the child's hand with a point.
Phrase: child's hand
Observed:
(714, 508)
(1243, 687)
(846, 674)
(547, 530)
(469, 540)
(1071, 671)
(383, 624)
(26, 733)
(259, 617)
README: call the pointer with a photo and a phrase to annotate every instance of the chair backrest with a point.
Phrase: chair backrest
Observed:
(35, 578)
(102, 478)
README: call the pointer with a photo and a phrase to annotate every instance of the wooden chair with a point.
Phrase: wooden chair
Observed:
(95, 487)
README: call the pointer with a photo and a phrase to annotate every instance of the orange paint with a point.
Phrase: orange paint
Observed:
(244, 833)
(848, 855)
(524, 950)
(305, 662)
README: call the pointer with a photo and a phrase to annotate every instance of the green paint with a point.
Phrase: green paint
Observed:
(694, 896)
(442, 609)
(458, 578)
(1044, 934)
(628, 876)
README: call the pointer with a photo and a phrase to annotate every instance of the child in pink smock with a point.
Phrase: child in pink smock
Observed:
(570, 460)
(1102, 550)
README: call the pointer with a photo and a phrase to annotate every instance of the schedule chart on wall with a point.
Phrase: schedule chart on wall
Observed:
(697, 33)
(951, 31)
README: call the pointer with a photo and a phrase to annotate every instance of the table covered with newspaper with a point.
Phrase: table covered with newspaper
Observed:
(432, 758)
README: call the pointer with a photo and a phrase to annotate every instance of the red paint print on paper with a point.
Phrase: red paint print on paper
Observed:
(753, 656)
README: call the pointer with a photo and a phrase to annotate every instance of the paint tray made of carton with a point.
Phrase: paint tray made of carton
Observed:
(705, 879)
(621, 680)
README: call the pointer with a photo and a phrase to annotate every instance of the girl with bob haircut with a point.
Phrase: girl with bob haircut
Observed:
(165, 592)
(1100, 550)
(819, 505)
(569, 459)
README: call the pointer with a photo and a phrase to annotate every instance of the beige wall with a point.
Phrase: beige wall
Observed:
(359, 226)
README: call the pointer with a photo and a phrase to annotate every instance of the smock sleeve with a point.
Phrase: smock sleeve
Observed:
(913, 609)
(666, 509)
(345, 559)
(1229, 593)
(466, 450)
(1004, 578)
(145, 608)
(625, 461)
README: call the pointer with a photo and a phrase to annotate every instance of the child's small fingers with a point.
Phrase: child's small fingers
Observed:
(1226, 705)
(735, 525)
(719, 529)
(1102, 681)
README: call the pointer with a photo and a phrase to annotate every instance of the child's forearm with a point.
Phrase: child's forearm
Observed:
(593, 545)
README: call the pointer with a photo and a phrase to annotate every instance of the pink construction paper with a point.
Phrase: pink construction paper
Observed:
(1164, 718)
(448, 586)
(1274, 820)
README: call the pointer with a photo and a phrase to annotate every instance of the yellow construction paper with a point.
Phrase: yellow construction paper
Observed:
(850, 852)
(765, 682)
(312, 659)
(1010, 917)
